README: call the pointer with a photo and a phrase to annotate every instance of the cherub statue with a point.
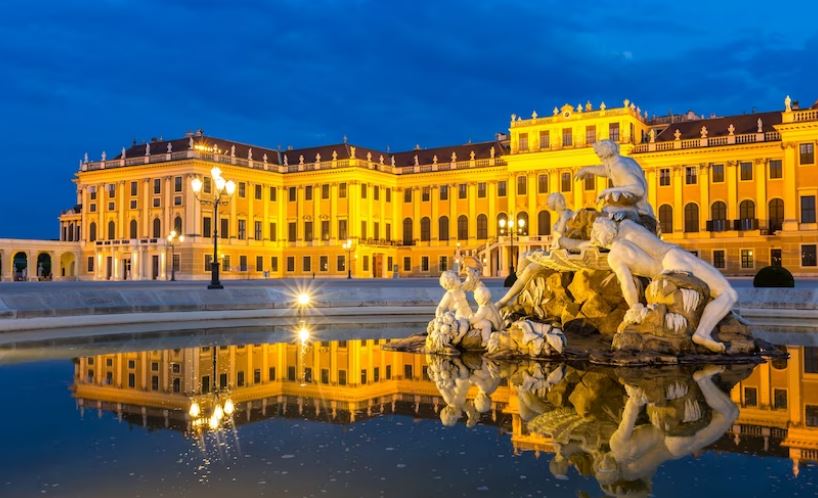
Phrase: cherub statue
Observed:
(635, 251)
(627, 195)
(455, 298)
(486, 319)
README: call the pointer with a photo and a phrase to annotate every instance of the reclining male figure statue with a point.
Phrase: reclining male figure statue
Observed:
(634, 251)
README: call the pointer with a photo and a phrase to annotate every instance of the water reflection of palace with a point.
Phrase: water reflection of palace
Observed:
(346, 381)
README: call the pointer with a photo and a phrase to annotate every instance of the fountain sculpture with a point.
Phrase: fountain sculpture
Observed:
(607, 288)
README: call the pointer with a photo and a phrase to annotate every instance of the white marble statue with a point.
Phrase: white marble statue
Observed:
(628, 192)
(455, 297)
(486, 319)
(535, 259)
(635, 251)
(527, 338)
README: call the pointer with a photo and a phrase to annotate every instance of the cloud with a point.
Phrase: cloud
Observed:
(91, 76)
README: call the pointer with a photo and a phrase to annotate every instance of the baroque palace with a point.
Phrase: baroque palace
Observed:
(739, 191)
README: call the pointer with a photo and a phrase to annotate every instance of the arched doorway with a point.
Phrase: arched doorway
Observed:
(20, 267)
(68, 265)
(44, 266)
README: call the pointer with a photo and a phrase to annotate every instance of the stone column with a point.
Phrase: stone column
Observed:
(704, 196)
(122, 206)
(760, 178)
(677, 181)
(434, 197)
(472, 193)
(732, 190)
(146, 206)
(491, 193)
(791, 199)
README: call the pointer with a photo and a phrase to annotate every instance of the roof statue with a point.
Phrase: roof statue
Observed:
(787, 104)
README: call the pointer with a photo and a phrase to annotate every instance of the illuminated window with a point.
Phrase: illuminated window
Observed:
(567, 137)
(522, 185)
(691, 176)
(807, 209)
(613, 131)
(719, 260)
(746, 171)
(565, 182)
(747, 259)
(590, 134)
(501, 188)
(545, 140)
(522, 142)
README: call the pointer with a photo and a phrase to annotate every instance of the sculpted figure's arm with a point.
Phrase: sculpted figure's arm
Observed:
(586, 171)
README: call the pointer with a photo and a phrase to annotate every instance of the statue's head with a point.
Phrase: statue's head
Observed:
(482, 295)
(556, 202)
(449, 280)
(449, 415)
(603, 232)
(606, 148)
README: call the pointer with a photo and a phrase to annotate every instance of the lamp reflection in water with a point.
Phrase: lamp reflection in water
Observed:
(213, 411)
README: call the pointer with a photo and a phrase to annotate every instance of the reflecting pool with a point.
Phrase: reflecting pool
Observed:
(247, 413)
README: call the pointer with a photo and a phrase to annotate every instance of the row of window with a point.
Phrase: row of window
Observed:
(544, 137)
(133, 229)
(809, 257)
(747, 215)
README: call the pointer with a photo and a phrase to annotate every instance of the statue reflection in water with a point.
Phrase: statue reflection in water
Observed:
(617, 425)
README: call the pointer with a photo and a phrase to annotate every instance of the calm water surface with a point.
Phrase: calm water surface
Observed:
(346, 418)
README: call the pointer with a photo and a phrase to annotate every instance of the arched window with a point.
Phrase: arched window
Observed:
(776, 211)
(111, 230)
(718, 211)
(747, 210)
(92, 232)
(544, 223)
(482, 227)
(462, 227)
(425, 229)
(691, 218)
(502, 217)
(443, 228)
(408, 239)
(666, 218)
(522, 223)
(157, 228)
(134, 232)
(177, 225)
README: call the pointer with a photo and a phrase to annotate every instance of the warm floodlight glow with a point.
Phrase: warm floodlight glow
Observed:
(195, 410)
(231, 187)
(303, 334)
(213, 423)
(216, 172)
(502, 222)
(304, 299)
(521, 222)
(220, 183)
(196, 185)
(218, 412)
(229, 407)
(181, 238)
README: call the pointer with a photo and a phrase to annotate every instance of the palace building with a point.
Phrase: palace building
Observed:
(739, 191)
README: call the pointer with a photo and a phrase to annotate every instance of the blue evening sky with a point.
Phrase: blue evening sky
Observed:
(85, 75)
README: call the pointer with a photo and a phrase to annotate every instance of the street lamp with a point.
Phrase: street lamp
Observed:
(173, 238)
(220, 192)
(348, 248)
(513, 228)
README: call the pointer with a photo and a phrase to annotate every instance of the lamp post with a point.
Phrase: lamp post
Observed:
(220, 192)
(513, 228)
(348, 248)
(173, 237)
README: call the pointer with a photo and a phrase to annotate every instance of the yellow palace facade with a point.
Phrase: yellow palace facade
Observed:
(740, 191)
